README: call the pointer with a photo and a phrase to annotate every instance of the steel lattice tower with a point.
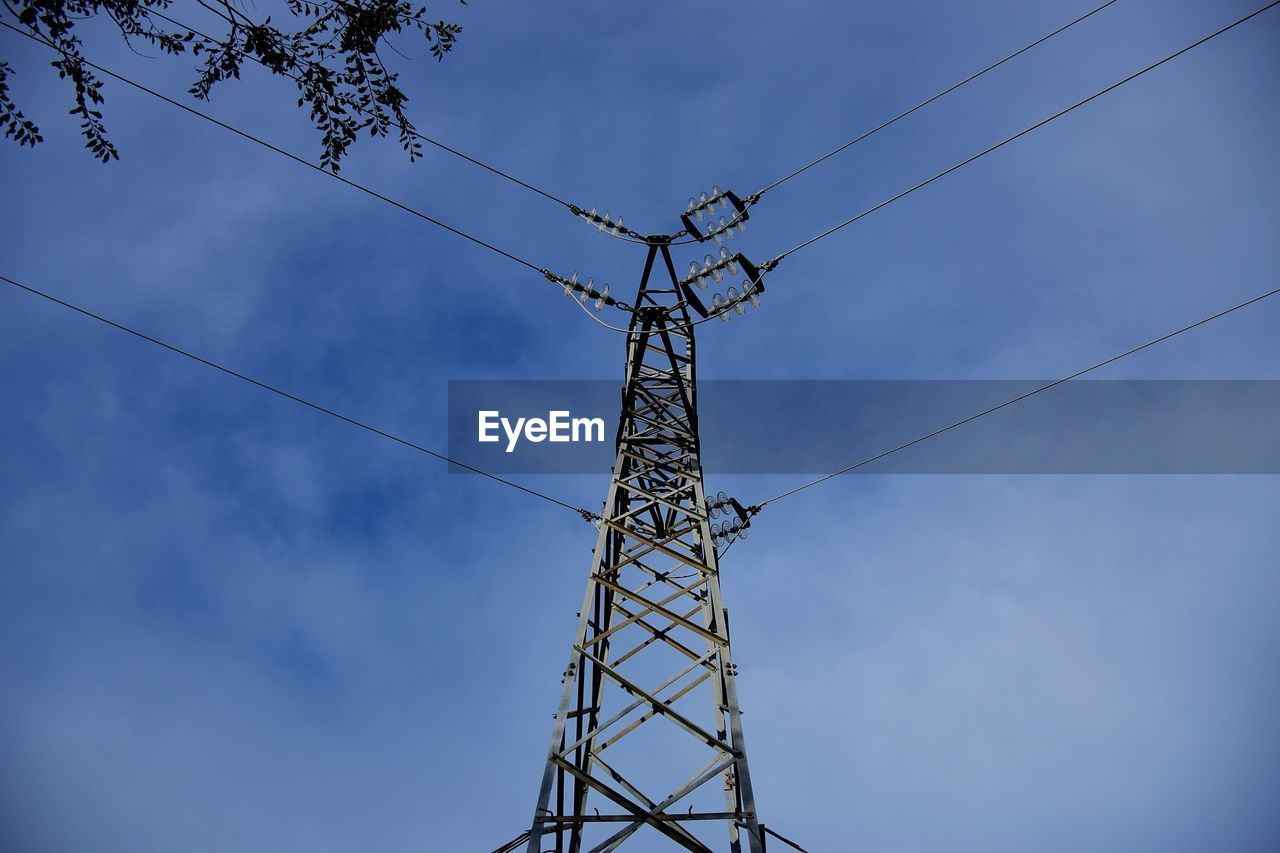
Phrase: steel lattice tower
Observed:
(650, 679)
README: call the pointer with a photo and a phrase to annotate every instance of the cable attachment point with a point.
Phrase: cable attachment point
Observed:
(703, 207)
(733, 301)
(604, 222)
(594, 519)
(736, 527)
(583, 291)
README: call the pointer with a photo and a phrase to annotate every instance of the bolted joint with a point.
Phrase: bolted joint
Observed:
(653, 313)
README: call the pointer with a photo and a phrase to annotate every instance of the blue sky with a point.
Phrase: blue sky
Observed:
(228, 623)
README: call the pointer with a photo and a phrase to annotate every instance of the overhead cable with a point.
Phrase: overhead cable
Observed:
(806, 167)
(296, 158)
(293, 397)
(1022, 133)
(1038, 390)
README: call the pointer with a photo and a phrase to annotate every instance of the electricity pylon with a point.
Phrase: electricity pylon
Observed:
(648, 736)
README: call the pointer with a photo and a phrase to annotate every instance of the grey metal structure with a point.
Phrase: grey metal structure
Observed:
(647, 744)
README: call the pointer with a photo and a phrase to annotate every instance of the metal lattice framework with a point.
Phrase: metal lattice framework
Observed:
(650, 682)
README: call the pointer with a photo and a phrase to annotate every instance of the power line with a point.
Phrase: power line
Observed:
(550, 276)
(1023, 132)
(1019, 398)
(771, 264)
(754, 198)
(751, 200)
(410, 130)
(288, 396)
(930, 100)
(626, 234)
(294, 157)
(635, 237)
(547, 274)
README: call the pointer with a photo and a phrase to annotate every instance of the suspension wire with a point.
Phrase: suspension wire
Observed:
(753, 199)
(930, 100)
(410, 130)
(1019, 398)
(625, 234)
(294, 157)
(1024, 132)
(769, 265)
(596, 319)
(289, 396)
(547, 274)
(725, 550)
